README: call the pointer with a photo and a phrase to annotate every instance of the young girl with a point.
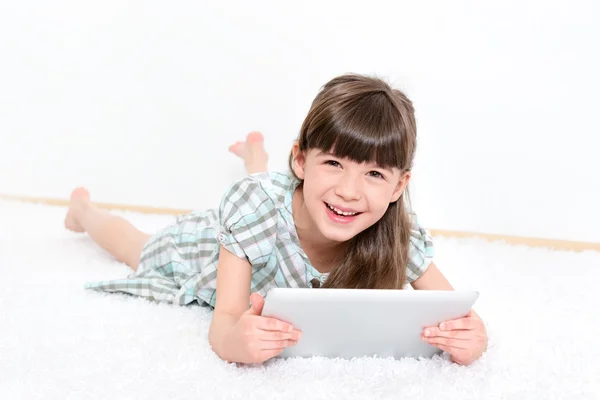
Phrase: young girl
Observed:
(340, 219)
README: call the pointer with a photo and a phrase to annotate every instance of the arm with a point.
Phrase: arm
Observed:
(464, 338)
(238, 333)
(432, 279)
(232, 294)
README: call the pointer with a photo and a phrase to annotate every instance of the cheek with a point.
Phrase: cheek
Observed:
(312, 197)
(316, 188)
(379, 211)
(379, 202)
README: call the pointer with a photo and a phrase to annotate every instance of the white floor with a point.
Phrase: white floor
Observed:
(59, 341)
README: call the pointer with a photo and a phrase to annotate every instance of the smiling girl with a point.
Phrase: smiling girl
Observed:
(339, 219)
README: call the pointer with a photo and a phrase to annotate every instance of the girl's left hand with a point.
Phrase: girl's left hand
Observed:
(465, 339)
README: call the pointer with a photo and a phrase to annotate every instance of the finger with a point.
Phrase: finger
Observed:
(459, 356)
(450, 342)
(278, 335)
(442, 347)
(460, 323)
(276, 344)
(273, 324)
(456, 334)
(267, 354)
(447, 349)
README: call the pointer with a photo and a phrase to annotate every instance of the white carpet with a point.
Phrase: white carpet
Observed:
(59, 341)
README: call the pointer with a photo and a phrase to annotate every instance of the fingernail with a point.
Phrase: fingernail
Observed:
(443, 326)
(427, 332)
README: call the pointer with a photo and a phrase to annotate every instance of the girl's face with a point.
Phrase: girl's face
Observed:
(343, 197)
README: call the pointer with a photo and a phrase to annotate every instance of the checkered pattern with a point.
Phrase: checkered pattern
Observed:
(254, 221)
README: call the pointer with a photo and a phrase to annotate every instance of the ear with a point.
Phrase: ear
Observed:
(400, 187)
(299, 161)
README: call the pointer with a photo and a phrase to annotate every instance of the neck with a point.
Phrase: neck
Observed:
(322, 252)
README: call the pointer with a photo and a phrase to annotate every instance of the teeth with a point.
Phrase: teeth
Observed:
(339, 212)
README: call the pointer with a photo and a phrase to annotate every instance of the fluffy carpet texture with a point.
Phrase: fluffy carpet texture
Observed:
(60, 341)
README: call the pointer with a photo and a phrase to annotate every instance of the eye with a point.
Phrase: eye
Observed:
(333, 163)
(376, 174)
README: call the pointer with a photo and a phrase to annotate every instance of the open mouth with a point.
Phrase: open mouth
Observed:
(341, 213)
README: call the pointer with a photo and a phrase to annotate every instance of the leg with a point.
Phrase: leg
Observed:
(112, 233)
(252, 151)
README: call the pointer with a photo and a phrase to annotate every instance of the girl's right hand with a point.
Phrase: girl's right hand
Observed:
(255, 339)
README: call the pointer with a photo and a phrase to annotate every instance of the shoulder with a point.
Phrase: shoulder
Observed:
(418, 233)
(274, 184)
(249, 212)
(421, 249)
(259, 192)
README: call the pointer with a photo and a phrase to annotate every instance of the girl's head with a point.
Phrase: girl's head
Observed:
(353, 155)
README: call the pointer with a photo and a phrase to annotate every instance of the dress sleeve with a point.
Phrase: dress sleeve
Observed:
(421, 250)
(248, 221)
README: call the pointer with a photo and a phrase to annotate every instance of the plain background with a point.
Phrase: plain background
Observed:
(139, 100)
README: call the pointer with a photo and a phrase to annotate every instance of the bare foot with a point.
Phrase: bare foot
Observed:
(252, 151)
(238, 148)
(78, 196)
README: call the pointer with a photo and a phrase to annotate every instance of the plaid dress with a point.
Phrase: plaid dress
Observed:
(254, 221)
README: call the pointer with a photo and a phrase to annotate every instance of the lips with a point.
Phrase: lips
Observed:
(342, 211)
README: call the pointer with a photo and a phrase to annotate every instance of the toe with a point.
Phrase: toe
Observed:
(238, 149)
(80, 193)
(254, 137)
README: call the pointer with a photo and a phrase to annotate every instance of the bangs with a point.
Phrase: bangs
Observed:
(369, 129)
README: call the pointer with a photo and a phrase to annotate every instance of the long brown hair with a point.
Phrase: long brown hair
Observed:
(364, 119)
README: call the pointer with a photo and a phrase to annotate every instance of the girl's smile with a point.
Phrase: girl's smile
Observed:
(338, 216)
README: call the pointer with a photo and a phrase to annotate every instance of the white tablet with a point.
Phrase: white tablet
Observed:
(349, 323)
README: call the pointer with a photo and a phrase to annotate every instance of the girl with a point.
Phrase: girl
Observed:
(340, 219)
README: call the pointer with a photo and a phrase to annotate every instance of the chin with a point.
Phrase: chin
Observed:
(339, 233)
(338, 236)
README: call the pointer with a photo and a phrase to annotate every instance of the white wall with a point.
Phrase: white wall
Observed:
(126, 96)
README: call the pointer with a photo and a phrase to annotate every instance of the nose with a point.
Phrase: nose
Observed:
(349, 187)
